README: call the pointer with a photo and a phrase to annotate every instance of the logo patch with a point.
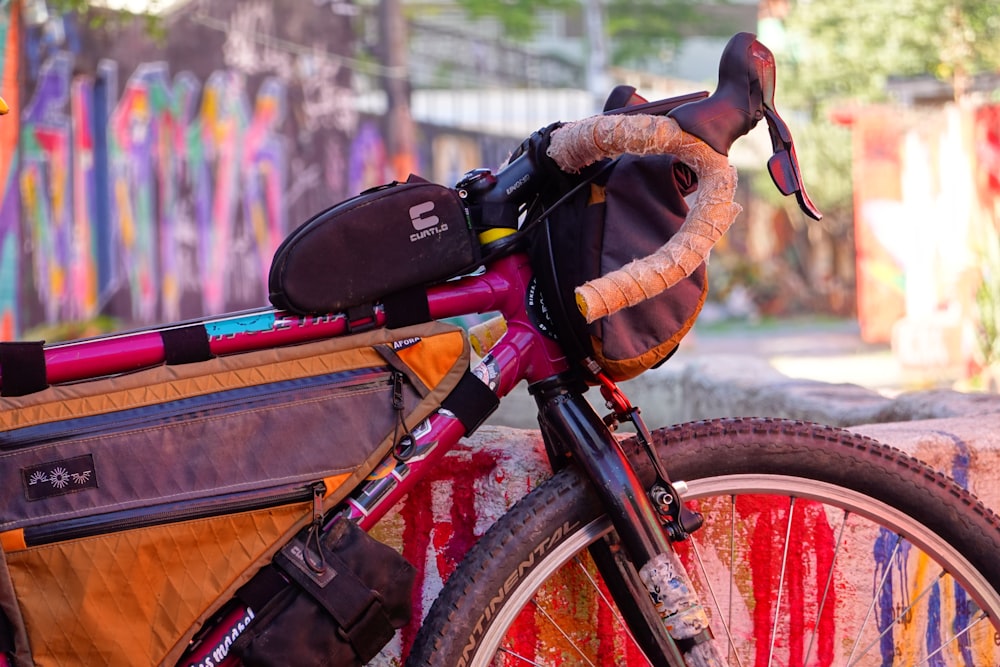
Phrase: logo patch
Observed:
(425, 224)
(56, 478)
(405, 343)
(418, 216)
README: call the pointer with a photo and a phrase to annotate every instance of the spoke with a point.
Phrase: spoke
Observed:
(903, 612)
(732, 577)
(613, 608)
(875, 594)
(781, 580)
(826, 588)
(518, 656)
(966, 630)
(558, 628)
(715, 599)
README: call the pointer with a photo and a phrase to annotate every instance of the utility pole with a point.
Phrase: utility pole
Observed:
(399, 132)
(597, 51)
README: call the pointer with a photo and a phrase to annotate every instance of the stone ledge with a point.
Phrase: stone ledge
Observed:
(733, 385)
(954, 432)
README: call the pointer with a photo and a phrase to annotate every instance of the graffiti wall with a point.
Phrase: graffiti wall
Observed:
(10, 39)
(926, 220)
(154, 180)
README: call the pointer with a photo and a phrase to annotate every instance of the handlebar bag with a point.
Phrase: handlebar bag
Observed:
(132, 507)
(630, 209)
(385, 240)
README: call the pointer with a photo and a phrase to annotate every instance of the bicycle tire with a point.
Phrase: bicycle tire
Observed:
(854, 495)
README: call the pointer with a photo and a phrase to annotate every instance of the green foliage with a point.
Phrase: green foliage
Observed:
(636, 29)
(98, 16)
(849, 48)
(642, 29)
(843, 52)
(518, 17)
(988, 300)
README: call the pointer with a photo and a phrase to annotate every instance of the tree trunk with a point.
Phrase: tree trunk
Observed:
(398, 131)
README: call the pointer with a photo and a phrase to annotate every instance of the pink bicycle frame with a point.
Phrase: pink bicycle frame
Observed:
(501, 288)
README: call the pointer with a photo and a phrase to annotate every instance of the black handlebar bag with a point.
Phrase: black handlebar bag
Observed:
(627, 211)
(383, 241)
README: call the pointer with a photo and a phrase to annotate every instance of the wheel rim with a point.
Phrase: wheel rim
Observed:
(905, 608)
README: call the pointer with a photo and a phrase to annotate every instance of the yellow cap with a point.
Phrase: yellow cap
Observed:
(494, 234)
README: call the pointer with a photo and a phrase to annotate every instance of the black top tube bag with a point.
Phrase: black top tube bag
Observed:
(385, 240)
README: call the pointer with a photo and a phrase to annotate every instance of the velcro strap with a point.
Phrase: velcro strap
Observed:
(471, 401)
(22, 368)
(406, 307)
(262, 588)
(184, 345)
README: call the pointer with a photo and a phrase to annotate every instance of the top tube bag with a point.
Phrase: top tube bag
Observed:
(385, 240)
(132, 507)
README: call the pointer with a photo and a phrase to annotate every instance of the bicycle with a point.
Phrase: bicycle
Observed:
(674, 528)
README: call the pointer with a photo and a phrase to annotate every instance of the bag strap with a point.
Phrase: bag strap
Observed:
(22, 366)
(6, 635)
(361, 618)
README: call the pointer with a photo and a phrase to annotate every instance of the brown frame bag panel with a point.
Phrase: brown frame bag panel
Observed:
(281, 421)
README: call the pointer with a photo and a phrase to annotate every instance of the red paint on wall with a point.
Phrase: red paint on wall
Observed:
(447, 541)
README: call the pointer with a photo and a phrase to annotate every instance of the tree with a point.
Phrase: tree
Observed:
(638, 30)
(836, 53)
(100, 12)
(849, 48)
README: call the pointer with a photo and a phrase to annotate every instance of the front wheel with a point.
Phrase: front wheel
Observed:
(820, 547)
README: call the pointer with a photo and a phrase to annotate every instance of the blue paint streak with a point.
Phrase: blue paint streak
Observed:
(256, 323)
(885, 614)
(933, 638)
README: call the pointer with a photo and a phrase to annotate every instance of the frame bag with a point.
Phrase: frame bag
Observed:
(628, 210)
(133, 507)
(383, 241)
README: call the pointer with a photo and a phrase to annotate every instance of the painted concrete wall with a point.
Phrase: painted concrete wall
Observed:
(927, 183)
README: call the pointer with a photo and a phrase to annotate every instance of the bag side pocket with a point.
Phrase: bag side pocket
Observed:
(345, 596)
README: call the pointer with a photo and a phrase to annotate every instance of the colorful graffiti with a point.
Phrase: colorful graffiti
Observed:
(45, 185)
(196, 193)
(10, 202)
(166, 200)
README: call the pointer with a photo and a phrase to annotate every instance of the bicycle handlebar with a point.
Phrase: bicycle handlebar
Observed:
(700, 134)
(578, 144)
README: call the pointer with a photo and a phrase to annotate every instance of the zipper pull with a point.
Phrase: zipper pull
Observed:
(319, 491)
(397, 390)
(405, 444)
(316, 530)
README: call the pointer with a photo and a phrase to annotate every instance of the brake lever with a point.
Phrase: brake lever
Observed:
(784, 164)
